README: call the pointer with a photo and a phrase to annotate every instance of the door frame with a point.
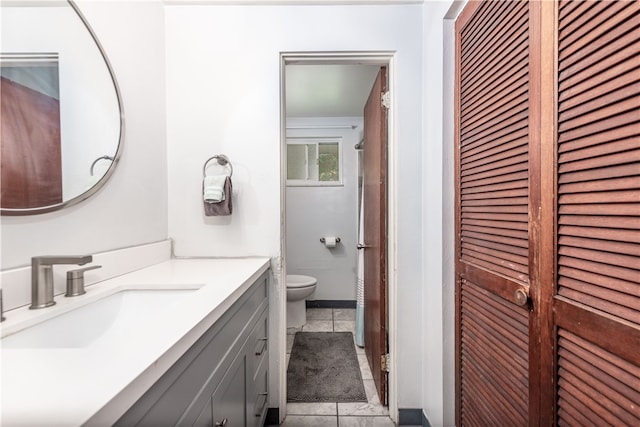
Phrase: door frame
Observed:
(382, 58)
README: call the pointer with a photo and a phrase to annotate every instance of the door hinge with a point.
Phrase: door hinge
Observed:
(385, 99)
(384, 362)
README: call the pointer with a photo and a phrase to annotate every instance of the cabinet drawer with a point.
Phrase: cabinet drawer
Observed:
(229, 399)
(206, 417)
(261, 398)
(260, 340)
(258, 381)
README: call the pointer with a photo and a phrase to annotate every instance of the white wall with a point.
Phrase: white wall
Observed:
(223, 96)
(132, 208)
(435, 277)
(315, 212)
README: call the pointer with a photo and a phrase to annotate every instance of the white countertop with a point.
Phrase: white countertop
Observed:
(96, 384)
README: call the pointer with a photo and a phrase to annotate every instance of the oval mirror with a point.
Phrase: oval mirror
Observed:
(61, 113)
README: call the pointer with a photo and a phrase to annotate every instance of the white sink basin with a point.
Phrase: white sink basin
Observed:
(88, 324)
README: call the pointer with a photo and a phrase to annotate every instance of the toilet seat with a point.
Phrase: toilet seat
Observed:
(298, 281)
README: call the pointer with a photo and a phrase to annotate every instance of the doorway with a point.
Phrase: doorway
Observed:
(291, 129)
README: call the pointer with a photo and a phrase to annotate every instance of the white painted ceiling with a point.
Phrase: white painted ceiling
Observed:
(328, 90)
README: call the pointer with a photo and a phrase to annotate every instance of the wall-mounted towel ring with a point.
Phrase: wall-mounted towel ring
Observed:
(217, 189)
(222, 161)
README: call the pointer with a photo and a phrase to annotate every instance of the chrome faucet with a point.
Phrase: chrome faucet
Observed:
(42, 277)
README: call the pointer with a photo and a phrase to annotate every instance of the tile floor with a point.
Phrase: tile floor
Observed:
(360, 414)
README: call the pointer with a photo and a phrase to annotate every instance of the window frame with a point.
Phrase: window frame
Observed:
(317, 141)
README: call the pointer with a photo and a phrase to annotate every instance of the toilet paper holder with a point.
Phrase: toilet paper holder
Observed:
(322, 240)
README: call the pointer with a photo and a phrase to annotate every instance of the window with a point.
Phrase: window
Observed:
(314, 161)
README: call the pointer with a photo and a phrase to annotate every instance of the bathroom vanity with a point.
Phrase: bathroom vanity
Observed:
(183, 342)
(222, 379)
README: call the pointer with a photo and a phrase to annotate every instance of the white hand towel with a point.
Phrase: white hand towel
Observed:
(213, 188)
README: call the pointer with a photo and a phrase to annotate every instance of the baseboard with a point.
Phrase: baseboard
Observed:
(273, 417)
(413, 417)
(331, 303)
(406, 417)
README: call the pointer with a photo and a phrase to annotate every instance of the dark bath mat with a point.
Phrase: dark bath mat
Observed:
(324, 368)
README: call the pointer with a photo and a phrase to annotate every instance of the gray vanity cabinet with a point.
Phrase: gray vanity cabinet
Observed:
(241, 397)
(223, 376)
(229, 402)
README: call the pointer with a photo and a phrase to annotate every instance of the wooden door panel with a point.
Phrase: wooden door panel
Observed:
(598, 181)
(492, 215)
(375, 231)
(597, 295)
(493, 145)
(494, 359)
(595, 386)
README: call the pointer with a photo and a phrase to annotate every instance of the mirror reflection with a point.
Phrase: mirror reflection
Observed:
(61, 121)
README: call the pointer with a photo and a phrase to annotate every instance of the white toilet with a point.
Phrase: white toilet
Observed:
(298, 288)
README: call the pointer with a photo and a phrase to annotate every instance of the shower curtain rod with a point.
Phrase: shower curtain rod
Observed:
(323, 127)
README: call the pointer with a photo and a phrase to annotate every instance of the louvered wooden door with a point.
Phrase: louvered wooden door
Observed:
(493, 204)
(597, 301)
(548, 204)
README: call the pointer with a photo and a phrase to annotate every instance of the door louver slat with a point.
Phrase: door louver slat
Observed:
(583, 105)
(507, 225)
(501, 250)
(596, 279)
(625, 121)
(572, 152)
(572, 97)
(503, 153)
(517, 262)
(623, 132)
(628, 274)
(610, 209)
(610, 172)
(628, 261)
(630, 249)
(495, 144)
(510, 182)
(498, 171)
(600, 114)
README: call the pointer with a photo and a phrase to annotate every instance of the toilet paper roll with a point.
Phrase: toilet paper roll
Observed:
(330, 241)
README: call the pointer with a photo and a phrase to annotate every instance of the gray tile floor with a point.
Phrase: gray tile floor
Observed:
(361, 414)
